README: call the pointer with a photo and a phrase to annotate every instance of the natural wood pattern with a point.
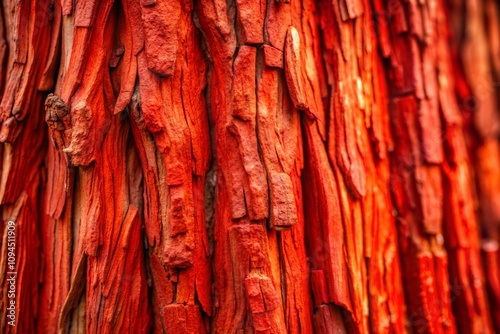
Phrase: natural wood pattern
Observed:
(251, 166)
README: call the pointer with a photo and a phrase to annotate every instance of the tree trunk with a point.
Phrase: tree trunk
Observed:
(250, 166)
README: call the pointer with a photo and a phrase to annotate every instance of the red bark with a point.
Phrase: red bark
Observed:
(214, 166)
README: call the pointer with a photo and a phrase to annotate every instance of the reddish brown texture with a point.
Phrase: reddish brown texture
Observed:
(479, 69)
(434, 195)
(251, 166)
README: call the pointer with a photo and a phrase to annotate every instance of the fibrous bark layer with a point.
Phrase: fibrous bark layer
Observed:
(250, 166)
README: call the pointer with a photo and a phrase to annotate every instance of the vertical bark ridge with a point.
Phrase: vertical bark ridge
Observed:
(257, 141)
(357, 148)
(433, 192)
(477, 71)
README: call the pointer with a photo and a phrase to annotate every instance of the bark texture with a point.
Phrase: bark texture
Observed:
(250, 166)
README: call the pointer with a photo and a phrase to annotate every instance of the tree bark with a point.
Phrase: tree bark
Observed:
(250, 166)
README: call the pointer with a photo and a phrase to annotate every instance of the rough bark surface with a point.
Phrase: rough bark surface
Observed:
(250, 166)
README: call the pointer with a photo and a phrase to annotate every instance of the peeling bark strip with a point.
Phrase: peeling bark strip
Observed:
(353, 146)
